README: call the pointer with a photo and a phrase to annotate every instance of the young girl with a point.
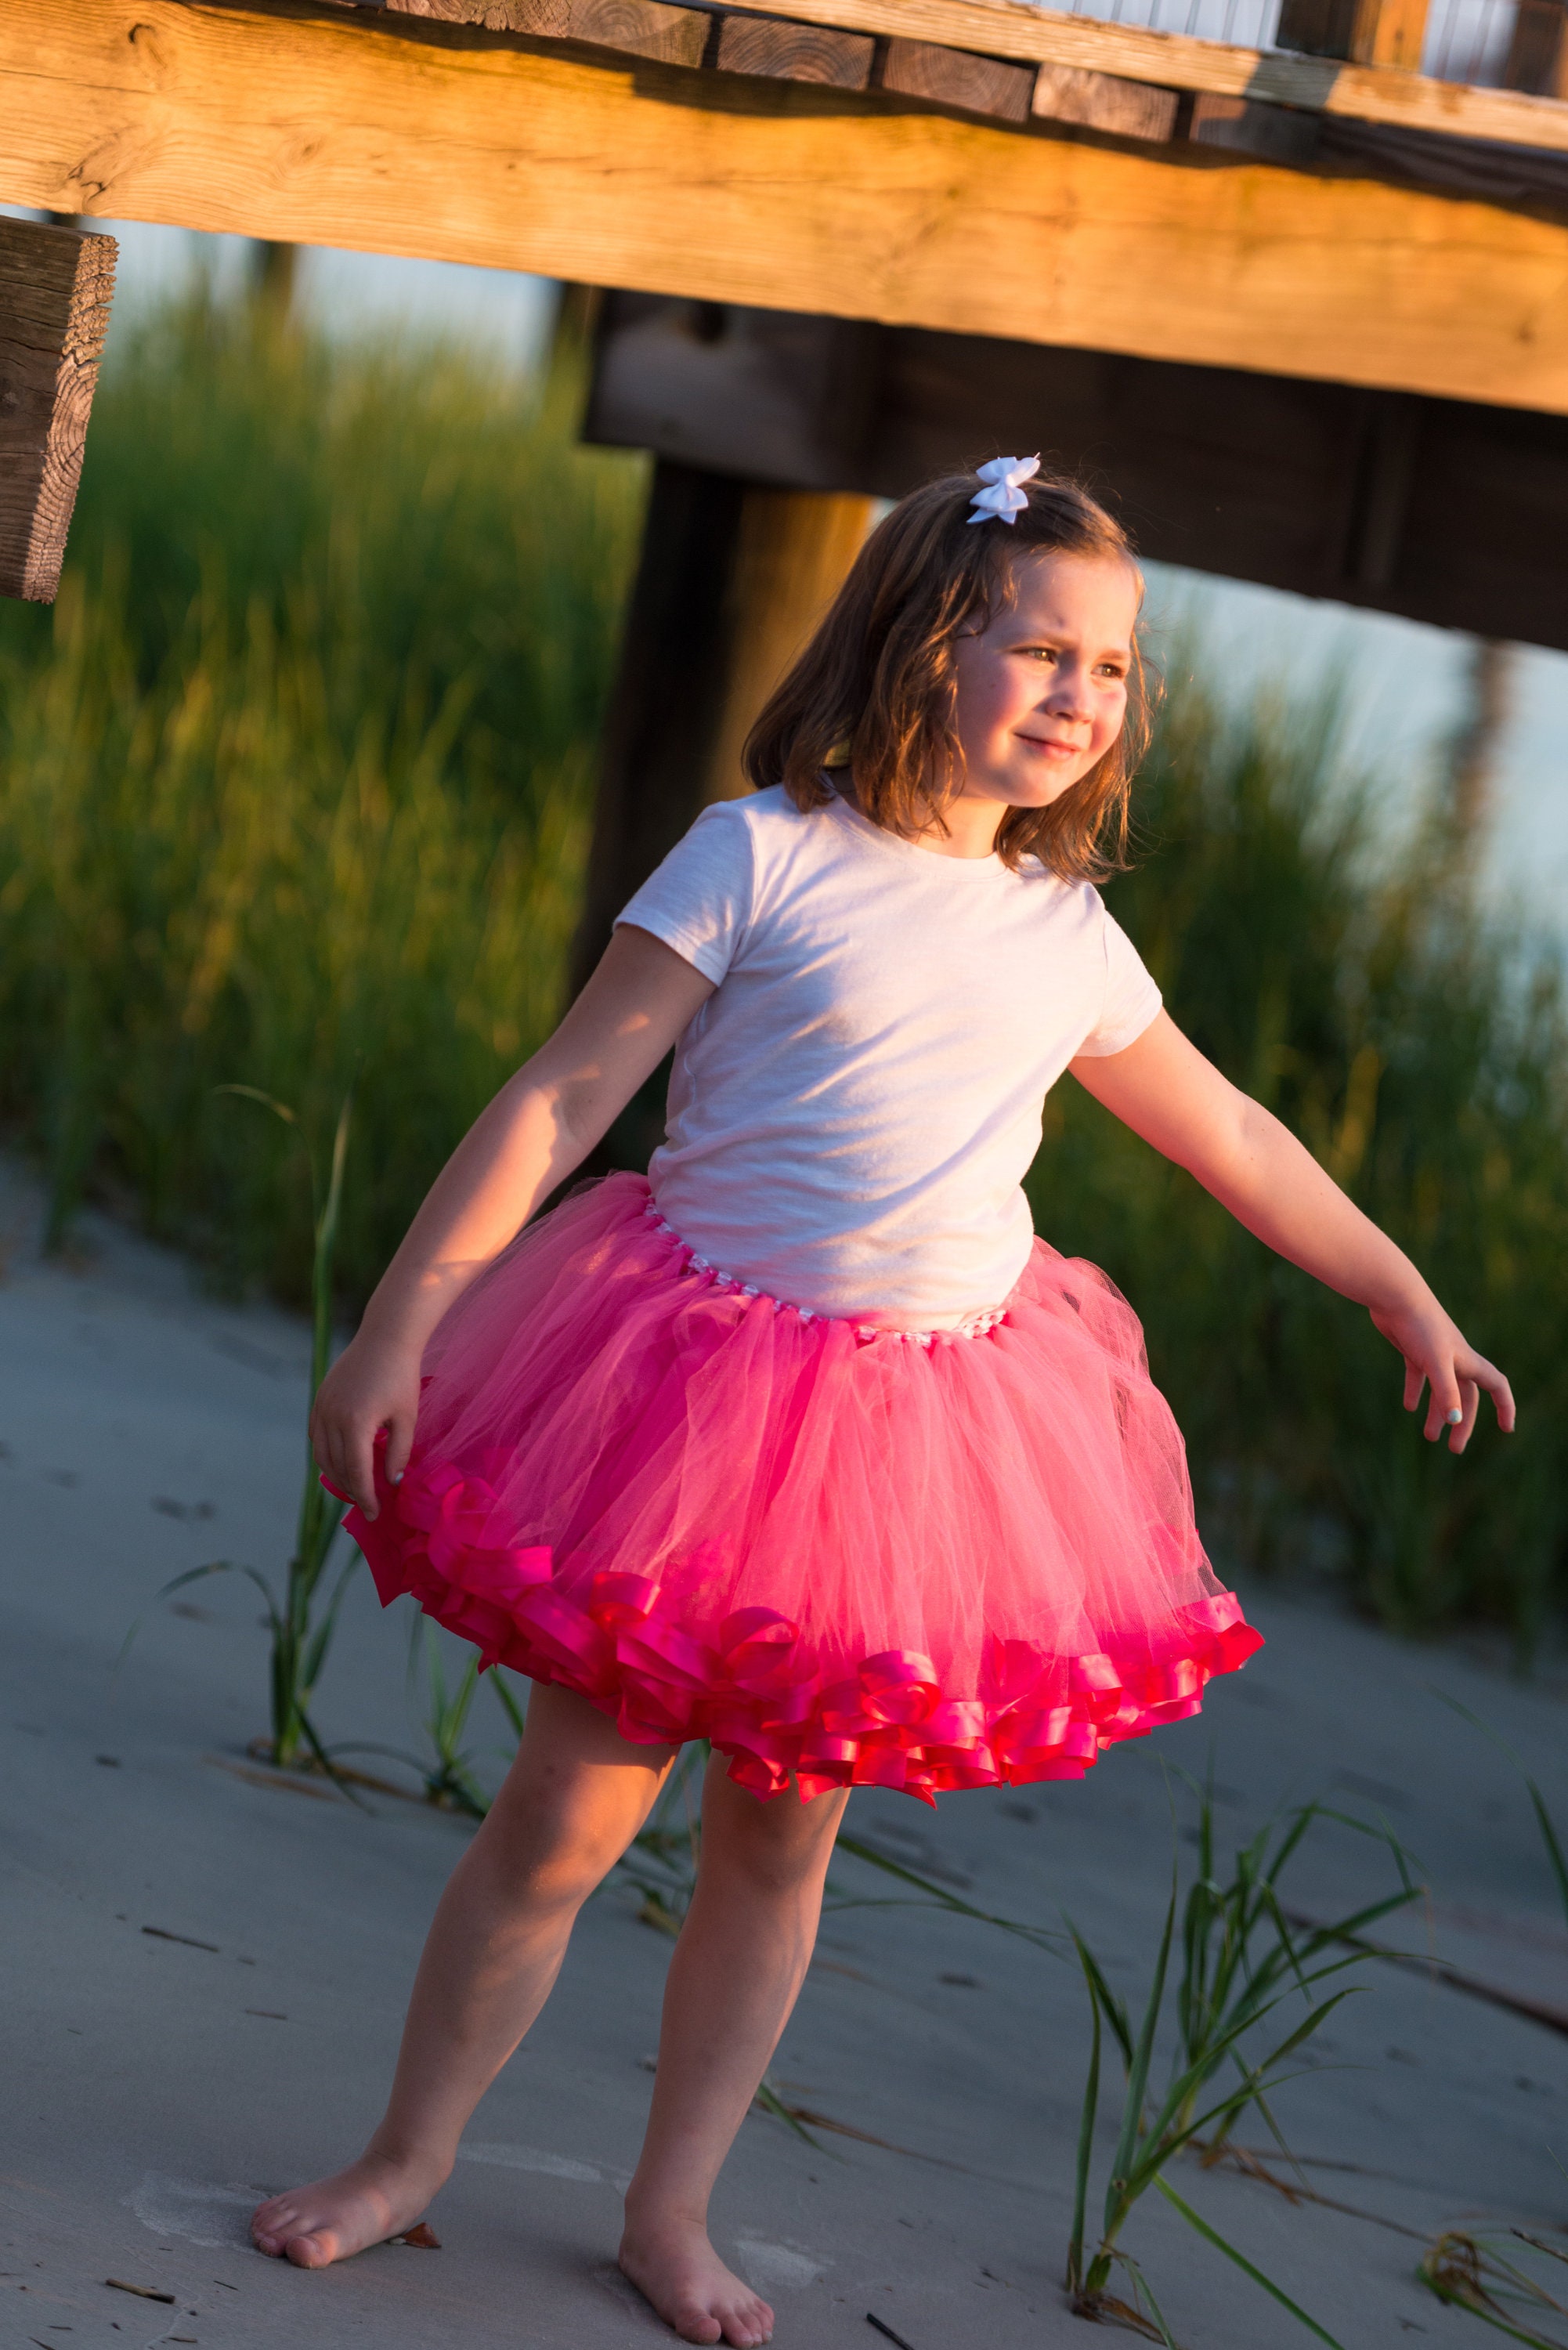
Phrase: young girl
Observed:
(805, 1445)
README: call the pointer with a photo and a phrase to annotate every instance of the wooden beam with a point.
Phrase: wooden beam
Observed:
(752, 45)
(56, 285)
(952, 77)
(1442, 511)
(644, 28)
(765, 395)
(1013, 29)
(386, 134)
(1127, 110)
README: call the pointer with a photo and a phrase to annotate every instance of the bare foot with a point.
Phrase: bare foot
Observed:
(375, 2198)
(674, 2266)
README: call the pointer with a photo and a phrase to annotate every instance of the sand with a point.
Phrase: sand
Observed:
(205, 1967)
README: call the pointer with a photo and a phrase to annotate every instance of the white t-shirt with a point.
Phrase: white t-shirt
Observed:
(852, 1112)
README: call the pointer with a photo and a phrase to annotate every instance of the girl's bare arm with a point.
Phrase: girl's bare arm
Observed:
(1167, 1092)
(541, 1125)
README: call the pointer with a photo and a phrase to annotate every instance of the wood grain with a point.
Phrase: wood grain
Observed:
(56, 285)
(644, 28)
(1131, 109)
(384, 134)
(953, 78)
(1011, 28)
(750, 45)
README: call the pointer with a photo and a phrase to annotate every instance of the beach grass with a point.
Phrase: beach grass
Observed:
(295, 777)
(295, 789)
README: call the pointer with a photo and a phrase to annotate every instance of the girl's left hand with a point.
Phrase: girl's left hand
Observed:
(1438, 1359)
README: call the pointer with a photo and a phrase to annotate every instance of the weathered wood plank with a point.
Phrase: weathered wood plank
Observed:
(56, 285)
(389, 135)
(955, 77)
(1012, 28)
(751, 45)
(1129, 110)
(644, 28)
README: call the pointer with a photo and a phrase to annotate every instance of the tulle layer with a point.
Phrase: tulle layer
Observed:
(843, 1555)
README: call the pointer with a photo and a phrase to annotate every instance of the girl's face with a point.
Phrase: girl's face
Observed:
(1043, 691)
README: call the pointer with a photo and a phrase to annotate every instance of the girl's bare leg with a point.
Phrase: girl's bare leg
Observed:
(574, 1799)
(738, 1966)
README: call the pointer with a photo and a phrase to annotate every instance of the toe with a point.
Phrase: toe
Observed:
(309, 2252)
(695, 2325)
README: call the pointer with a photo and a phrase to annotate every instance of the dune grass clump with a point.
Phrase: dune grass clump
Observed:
(295, 777)
(1240, 1963)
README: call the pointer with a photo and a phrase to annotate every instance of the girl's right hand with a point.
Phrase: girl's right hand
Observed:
(371, 1386)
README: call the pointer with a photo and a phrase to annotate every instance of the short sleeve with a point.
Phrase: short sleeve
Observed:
(1131, 998)
(698, 901)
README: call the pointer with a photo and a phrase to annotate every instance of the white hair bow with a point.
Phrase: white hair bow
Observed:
(1002, 498)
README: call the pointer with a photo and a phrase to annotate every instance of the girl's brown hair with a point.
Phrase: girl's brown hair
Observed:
(876, 687)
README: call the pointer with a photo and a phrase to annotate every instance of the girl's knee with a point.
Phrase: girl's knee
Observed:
(554, 1846)
(779, 1845)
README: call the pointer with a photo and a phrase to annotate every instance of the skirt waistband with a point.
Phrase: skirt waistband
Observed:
(973, 1325)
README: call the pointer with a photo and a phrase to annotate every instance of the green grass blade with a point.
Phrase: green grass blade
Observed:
(322, 1756)
(324, 1255)
(1452, 2297)
(1042, 1936)
(770, 2100)
(1143, 2291)
(231, 1566)
(1114, 2013)
(1212, 2236)
(1137, 2077)
(1549, 1838)
(509, 1705)
(1091, 2106)
(321, 1640)
(268, 1101)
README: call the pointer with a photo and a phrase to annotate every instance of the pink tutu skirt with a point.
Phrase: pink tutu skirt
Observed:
(848, 1556)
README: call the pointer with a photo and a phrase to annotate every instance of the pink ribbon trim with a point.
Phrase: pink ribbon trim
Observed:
(751, 1683)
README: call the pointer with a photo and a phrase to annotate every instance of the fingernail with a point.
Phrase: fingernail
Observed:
(398, 1477)
(1455, 1416)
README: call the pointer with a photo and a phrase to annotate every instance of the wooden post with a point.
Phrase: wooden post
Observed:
(1366, 32)
(1538, 51)
(792, 552)
(732, 578)
(56, 285)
